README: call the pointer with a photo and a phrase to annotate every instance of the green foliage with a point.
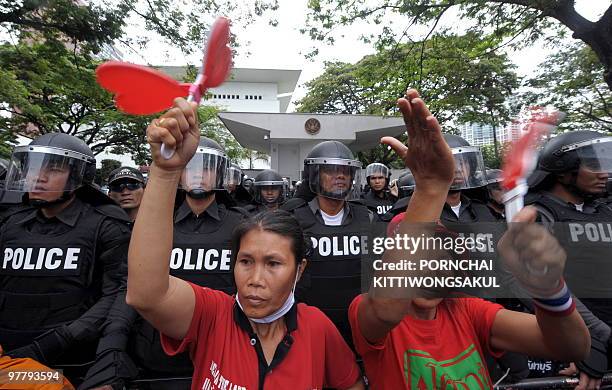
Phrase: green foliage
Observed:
(457, 88)
(46, 89)
(569, 81)
(107, 166)
(514, 24)
(99, 22)
(490, 159)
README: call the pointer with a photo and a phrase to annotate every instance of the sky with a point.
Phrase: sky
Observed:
(289, 45)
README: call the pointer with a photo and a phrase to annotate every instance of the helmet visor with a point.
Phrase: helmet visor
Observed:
(205, 171)
(46, 169)
(336, 181)
(470, 171)
(234, 176)
(270, 192)
(596, 156)
(377, 169)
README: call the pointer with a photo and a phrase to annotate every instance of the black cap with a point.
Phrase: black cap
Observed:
(126, 173)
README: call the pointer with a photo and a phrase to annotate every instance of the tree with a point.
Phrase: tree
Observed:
(107, 166)
(457, 88)
(567, 81)
(102, 22)
(520, 21)
(45, 88)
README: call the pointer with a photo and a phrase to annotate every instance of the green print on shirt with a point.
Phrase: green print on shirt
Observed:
(466, 371)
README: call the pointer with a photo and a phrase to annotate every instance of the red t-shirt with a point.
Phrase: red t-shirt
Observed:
(224, 358)
(443, 353)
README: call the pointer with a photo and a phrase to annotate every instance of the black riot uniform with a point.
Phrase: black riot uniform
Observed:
(559, 163)
(59, 276)
(267, 179)
(332, 278)
(201, 252)
(378, 201)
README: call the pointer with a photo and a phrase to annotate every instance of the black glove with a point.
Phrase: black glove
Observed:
(45, 348)
(596, 364)
(112, 368)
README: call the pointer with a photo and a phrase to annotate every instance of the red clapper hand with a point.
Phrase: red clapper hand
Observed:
(140, 90)
(521, 159)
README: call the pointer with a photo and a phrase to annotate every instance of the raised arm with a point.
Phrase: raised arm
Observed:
(165, 301)
(537, 261)
(431, 162)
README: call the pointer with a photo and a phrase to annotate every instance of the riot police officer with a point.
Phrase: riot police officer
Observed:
(337, 228)
(469, 173)
(235, 181)
(126, 187)
(378, 198)
(572, 173)
(495, 193)
(201, 251)
(64, 256)
(405, 187)
(269, 191)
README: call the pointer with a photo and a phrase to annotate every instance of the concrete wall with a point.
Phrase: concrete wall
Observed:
(246, 97)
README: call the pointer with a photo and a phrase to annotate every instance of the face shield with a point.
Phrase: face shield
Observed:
(234, 177)
(377, 169)
(594, 155)
(38, 169)
(270, 191)
(470, 171)
(206, 171)
(334, 178)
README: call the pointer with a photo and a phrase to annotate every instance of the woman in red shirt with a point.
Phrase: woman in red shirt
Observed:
(258, 339)
(420, 340)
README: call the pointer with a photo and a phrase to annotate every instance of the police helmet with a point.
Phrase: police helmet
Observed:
(234, 175)
(405, 185)
(568, 151)
(332, 171)
(469, 164)
(377, 169)
(51, 157)
(266, 183)
(206, 171)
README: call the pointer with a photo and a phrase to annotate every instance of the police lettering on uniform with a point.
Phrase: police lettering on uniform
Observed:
(571, 177)
(378, 198)
(269, 191)
(63, 261)
(338, 229)
(203, 223)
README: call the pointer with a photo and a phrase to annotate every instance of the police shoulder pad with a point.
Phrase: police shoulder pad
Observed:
(112, 211)
(293, 204)
(358, 201)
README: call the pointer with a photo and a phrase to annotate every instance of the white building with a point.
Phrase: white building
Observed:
(246, 90)
(478, 134)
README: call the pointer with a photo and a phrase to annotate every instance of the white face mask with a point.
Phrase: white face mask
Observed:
(284, 309)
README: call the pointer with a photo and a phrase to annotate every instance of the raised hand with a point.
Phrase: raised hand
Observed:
(427, 155)
(532, 254)
(178, 129)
